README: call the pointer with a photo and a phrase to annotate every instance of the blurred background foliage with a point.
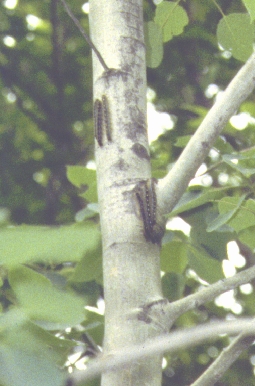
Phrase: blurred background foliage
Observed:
(46, 99)
(46, 125)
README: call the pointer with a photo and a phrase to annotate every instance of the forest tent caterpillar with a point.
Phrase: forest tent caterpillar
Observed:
(106, 118)
(152, 221)
(98, 121)
(102, 120)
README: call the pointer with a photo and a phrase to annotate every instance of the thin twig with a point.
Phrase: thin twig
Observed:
(173, 342)
(85, 35)
(174, 310)
(227, 357)
(174, 184)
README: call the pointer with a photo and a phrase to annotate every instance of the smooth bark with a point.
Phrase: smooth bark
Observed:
(130, 263)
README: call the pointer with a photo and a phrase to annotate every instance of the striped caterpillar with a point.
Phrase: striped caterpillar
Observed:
(147, 199)
(102, 120)
(98, 122)
(106, 118)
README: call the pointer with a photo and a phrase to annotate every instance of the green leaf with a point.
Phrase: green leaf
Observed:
(220, 220)
(235, 33)
(29, 355)
(89, 267)
(243, 163)
(244, 217)
(95, 326)
(250, 5)
(81, 177)
(248, 107)
(213, 243)
(171, 18)
(223, 146)
(225, 216)
(41, 301)
(173, 257)
(47, 244)
(20, 367)
(207, 268)
(246, 236)
(195, 198)
(154, 44)
(173, 285)
(182, 141)
(16, 324)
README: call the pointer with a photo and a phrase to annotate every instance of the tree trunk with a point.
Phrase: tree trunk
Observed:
(130, 263)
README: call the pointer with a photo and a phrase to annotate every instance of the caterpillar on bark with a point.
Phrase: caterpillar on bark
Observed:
(153, 222)
(98, 122)
(102, 121)
(106, 118)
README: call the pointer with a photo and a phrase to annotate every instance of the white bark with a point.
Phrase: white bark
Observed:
(130, 263)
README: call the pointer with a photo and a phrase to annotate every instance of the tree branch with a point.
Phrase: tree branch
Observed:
(227, 357)
(175, 183)
(171, 343)
(174, 310)
(163, 314)
(86, 36)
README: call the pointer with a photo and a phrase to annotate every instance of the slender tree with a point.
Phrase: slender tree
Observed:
(130, 262)
(131, 202)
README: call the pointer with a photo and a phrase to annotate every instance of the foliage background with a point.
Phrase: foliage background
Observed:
(46, 125)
